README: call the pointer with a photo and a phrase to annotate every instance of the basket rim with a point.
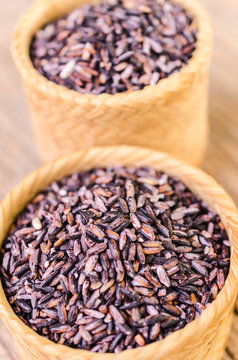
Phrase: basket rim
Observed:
(102, 156)
(38, 10)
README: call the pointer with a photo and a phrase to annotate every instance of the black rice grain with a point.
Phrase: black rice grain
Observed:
(115, 46)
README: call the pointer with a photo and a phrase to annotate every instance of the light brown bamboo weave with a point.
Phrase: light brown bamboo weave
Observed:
(202, 339)
(170, 116)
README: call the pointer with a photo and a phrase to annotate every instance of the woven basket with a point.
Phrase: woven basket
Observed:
(170, 116)
(202, 339)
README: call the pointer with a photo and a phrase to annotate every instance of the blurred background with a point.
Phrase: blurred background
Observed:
(18, 154)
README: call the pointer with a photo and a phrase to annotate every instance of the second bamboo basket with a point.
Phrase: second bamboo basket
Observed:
(170, 116)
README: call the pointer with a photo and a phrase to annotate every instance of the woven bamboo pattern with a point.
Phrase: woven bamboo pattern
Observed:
(170, 116)
(204, 338)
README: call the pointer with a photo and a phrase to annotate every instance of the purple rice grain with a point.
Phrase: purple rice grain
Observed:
(139, 256)
(115, 46)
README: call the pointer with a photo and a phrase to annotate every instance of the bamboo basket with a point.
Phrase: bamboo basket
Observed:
(204, 338)
(170, 116)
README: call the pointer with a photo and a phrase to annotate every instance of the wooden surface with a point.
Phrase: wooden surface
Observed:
(18, 155)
